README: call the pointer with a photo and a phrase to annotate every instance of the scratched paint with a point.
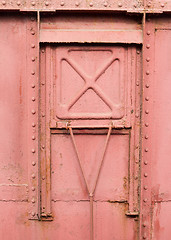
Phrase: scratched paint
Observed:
(84, 126)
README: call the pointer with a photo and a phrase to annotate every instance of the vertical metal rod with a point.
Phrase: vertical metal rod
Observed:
(91, 218)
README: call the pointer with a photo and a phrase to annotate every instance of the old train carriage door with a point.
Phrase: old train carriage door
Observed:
(90, 117)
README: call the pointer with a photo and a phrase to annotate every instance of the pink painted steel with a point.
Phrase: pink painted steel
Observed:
(85, 143)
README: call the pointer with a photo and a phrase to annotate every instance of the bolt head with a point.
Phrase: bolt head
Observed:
(77, 4)
(33, 45)
(119, 4)
(105, 4)
(46, 3)
(62, 3)
(146, 149)
(145, 162)
(91, 4)
(33, 111)
(148, 46)
(3, 2)
(33, 200)
(147, 59)
(33, 137)
(33, 99)
(18, 3)
(162, 4)
(33, 3)
(146, 136)
(33, 163)
(33, 150)
(33, 176)
(148, 32)
(33, 214)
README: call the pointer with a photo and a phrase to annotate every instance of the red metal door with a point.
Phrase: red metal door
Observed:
(89, 135)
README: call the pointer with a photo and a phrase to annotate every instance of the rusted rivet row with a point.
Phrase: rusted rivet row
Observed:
(34, 112)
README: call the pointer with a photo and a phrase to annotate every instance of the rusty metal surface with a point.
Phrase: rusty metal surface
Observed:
(71, 153)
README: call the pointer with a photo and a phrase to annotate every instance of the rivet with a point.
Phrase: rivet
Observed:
(43, 178)
(147, 85)
(33, 200)
(33, 45)
(91, 4)
(33, 72)
(33, 189)
(33, 85)
(33, 124)
(3, 2)
(135, 5)
(148, 32)
(146, 124)
(34, 163)
(145, 175)
(145, 187)
(148, 19)
(33, 137)
(147, 111)
(136, 178)
(32, 19)
(145, 162)
(33, 111)
(119, 4)
(33, 150)
(144, 224)
(137, 115)
(33, 3)
(43, 83)
(137, 83)
(33, 99)
(147, 59)
(33, 214)
(146, 136)
(149, 4)
(62, 3)
(148, 46)
(147, 98)
(43, 115)
(146, 149)
(33, 176)
(162, 4)
(18, 3)
(147, 72)
(33, 59)
(145, 236)
(47, 3)
(43, 146)
(77, 4)
(105, 4)
(145, 200)
(32, 32)
(138, 52)
(43, 50)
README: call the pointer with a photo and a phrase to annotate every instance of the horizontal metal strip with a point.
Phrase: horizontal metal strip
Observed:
(90, 36)
(91, 131)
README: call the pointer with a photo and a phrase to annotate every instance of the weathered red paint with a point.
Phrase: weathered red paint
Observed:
(85, 121)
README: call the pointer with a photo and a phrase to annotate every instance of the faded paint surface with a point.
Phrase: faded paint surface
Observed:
(85, 134)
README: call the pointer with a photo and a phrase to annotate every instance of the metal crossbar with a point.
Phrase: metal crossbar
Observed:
(91, 193)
